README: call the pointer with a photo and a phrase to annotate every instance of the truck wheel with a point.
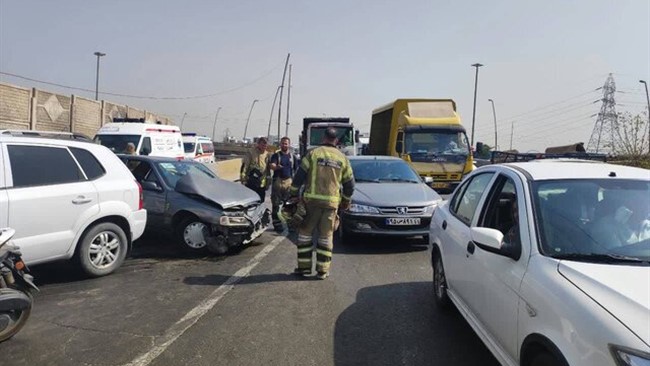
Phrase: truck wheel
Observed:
(192, 234)
(102, 249)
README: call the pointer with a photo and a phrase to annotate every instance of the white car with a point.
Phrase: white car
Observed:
(68, 199)
(548, 261)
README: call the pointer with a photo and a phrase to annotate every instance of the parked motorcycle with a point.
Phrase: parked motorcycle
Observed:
(15, 287)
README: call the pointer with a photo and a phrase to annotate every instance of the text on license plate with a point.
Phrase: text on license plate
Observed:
(403, 221)
(440, 185)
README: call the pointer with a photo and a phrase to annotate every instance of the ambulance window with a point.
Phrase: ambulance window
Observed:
(207, 147)
(145, 149)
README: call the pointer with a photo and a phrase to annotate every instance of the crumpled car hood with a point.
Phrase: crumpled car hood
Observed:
(222, 192)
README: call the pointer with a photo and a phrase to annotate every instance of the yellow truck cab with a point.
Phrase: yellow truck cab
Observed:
(428, 134)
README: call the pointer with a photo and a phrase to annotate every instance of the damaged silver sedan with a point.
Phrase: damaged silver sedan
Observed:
(199, 209)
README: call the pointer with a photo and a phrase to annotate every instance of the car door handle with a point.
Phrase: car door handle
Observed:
(470, 247)
(444, 225)
(80, 200)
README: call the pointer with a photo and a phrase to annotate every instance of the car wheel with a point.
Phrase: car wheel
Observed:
(440, 284)
(102, 249)
(546, 359)
(192, 234)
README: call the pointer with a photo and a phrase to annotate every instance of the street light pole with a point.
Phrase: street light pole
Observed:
(648, 101)
(215, 122)
(249, 118)
(183, 120)
(98, 54)
(476, 65)
(512, 132)
(494, 113)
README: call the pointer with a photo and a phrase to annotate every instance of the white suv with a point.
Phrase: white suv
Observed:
(68, 199)
(549, 261)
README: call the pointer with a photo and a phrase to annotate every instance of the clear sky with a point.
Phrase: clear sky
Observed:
(543, 59)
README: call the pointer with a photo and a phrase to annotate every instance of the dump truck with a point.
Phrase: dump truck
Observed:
(428, 134)
(313, 130)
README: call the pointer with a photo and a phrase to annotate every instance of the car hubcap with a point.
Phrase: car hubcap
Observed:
(194, 235)
(104, 249)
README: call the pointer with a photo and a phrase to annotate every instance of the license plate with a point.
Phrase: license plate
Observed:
(440, 185)
(403, 221)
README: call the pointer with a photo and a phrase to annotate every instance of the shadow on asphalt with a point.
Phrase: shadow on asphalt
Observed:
(218, 280)
(379, 245)
(398, 324)
(150, 247)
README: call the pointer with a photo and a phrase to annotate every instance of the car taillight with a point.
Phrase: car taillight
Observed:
(140, 196)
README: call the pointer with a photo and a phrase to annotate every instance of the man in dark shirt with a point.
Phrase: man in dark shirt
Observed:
(283, 165)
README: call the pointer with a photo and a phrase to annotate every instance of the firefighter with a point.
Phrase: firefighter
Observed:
(283, 165)
(323, 171)
(255, 171)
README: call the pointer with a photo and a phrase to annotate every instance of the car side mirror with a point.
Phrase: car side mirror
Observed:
(151, 186)
(487, 239)
(428, 180)
(145, 151)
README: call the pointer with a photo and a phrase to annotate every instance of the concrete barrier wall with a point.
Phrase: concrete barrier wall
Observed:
(33, 109)
(227, 169)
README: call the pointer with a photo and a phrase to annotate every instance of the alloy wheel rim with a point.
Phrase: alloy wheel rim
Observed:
(194, 235)
(104, 249)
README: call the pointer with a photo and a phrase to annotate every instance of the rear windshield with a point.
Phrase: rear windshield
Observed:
(117, 143)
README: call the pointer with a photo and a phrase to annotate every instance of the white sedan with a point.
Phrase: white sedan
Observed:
(549, 261)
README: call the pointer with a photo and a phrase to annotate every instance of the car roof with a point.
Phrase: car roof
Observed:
(373, 157)
(549, 169)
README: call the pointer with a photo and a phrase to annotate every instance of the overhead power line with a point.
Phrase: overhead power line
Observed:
(267, 73)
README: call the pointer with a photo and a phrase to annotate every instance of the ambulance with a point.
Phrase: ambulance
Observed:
(199, 148)
(139, 138)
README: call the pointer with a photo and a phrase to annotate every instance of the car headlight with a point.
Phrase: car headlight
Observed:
(429, 209)
(363, 209)
(233, 221)
(625, 356)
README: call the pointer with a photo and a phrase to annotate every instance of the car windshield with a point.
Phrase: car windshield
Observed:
(345, 135)
(117, 143)
(594, 219)
(189, 147)
(172, 171)
(383, 171)
(438, 142)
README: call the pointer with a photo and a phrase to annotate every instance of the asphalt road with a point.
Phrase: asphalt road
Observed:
(164, 308)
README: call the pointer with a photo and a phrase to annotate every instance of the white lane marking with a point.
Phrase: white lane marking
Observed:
(193, 316)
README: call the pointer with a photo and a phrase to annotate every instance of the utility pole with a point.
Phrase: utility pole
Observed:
(512, 131)
(215, 122)
(286, 129)
(249, 118)
(648, 100)
(607, 120)
(494, 113)
(268, 132)
(476, 65)
(284, 74)
(183, 120)
(98, 54)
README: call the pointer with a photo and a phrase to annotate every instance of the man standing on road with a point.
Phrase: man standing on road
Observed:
(323, 171)
(283, 165)
(255, 171)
